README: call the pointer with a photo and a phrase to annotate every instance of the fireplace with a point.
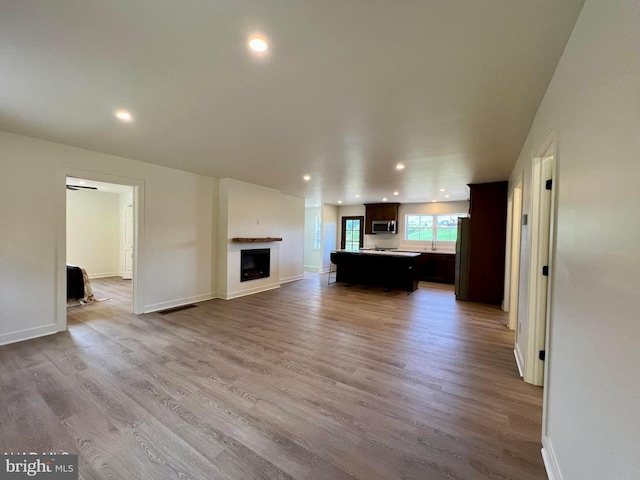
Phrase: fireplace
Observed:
(254, 264)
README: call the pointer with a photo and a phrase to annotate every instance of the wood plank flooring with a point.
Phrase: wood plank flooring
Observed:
(308, 382)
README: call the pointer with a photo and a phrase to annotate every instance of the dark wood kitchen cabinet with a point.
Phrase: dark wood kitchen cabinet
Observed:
(437, 267)
(379, 212)
(487, 238)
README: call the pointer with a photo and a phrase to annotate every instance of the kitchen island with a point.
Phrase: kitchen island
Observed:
(387, 269)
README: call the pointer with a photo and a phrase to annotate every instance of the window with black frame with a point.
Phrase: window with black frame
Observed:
(352, 233)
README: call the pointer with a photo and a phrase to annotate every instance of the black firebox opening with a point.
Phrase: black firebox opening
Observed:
(254, 264)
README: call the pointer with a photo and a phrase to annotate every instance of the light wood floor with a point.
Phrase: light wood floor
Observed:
(309, 382)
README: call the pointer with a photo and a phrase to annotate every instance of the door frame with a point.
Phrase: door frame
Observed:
(123, 242)
(61, 244)
(506, 300)
(542, 243)
(343, 225)
(514, 254)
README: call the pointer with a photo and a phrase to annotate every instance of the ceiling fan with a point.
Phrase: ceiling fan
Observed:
(78, 187)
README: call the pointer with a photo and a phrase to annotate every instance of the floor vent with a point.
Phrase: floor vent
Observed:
(176, 309)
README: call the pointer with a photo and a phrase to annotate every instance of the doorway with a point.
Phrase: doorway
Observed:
(541, 263)
(134, 202)
(99, 244)
(352, 237)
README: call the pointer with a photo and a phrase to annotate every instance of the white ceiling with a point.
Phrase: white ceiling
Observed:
(348, 89)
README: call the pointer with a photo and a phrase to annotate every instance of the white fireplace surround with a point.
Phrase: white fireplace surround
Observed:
(254, 212)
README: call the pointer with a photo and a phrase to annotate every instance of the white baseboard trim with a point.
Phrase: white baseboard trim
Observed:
(549, 459)
(28, 334)
(291, 279)
(249, 291)
(104, 275)
(324, 271)
(178, 302)
(519, 362)
(308, 268)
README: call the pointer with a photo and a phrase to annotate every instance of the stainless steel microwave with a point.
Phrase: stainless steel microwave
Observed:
(383, 227)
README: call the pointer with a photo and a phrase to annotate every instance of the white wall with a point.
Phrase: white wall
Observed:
(178, 237)
(177, 218)
(312, 255)
(93, 231)
(292, 233)
(397, 240)
(329, 231)
(248, 210)
(222, 240)
(593, 382)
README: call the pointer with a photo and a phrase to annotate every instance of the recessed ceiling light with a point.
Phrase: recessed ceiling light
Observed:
(442, 189)
(357, 196)
(400, 166)
(446, 196)
(258, 44)
(384, 199)
(124, 116)
(396, 193)
(339, 201)
(433, 201)
(307, 178)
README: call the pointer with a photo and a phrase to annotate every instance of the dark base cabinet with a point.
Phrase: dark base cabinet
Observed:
(437, 268)
(386, 271)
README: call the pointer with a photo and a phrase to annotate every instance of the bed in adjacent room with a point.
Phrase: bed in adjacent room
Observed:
(79, 291)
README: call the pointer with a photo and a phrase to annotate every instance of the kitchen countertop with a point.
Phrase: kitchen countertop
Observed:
(378, 252)
(441, 252)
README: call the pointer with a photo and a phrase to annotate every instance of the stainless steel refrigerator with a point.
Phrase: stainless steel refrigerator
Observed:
(462, 259)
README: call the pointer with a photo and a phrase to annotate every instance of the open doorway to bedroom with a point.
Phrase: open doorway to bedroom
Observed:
(135, 194)
(99, 244)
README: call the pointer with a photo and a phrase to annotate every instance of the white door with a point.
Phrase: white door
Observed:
(127, 270)
(540, 266)
(542, 310)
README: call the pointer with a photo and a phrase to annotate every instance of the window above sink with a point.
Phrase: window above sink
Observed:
(431, 227)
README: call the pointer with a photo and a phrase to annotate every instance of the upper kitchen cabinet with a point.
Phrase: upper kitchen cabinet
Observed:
(379, 212)
(487, 238)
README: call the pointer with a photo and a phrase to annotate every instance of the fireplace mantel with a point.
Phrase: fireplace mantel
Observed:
(255, 239)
